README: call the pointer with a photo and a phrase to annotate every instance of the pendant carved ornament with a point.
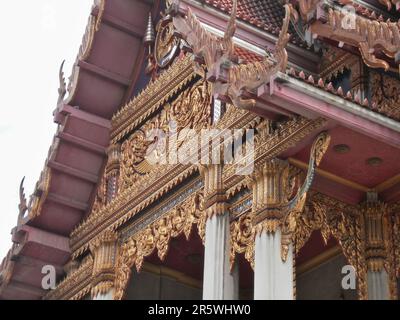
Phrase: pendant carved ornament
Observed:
(157, 236)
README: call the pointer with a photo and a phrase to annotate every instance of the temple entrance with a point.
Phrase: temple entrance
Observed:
(246, 278)
(178, 277)
(319, 271)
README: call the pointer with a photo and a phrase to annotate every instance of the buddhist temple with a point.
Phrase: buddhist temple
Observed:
(220, 150)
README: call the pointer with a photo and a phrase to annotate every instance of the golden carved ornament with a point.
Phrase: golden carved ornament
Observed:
(190, 110)
(166, 45)
(272, 208)
(92, 27)
(156, 236)
(40, 194)
(104, 250)
(250, 76)
(390, 3)
(150, 100)
(392, 264)
(214, 192)
(307, 8)
(368, 36)
(76, 285)
(215, 51)
(386, 95)
(145, 191)
(242, 238)
(218, 55)
(343, 222)
(375, 228)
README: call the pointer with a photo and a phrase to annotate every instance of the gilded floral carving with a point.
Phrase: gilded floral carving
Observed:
(190, 110)
(157, 236)
(386, 95)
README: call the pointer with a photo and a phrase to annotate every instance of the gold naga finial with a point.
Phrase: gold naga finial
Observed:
(252, 75)
(214, 50)
(296, 206)
(230, 31)
(22, 207)
(217, 52)
(62, 90)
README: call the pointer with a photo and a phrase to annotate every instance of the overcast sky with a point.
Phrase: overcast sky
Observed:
(36, 36)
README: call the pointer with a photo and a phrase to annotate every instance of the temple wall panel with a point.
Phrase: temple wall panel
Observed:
(150, 286)
(324, 282)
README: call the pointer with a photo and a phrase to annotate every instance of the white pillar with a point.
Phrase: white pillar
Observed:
(105, 296)
(219, 283)
(378, 285)
(273, 278)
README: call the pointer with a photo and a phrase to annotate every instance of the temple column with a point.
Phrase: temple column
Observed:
(104, 253)
(273, 261)
(375, 250)
(219, 283)
(112, 172)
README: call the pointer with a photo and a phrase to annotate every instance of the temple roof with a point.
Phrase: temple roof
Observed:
(104, 75)
(265, 15)
(108, 66)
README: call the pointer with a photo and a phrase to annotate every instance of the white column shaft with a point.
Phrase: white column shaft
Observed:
(106, 296)
(273, 278)
(378, 285)
(218, 283)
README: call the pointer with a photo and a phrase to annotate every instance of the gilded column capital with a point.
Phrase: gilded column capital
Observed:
(114, 154)
(104, 251)
(275, 202)
(374, 215)
(214, 191)
(271, 191)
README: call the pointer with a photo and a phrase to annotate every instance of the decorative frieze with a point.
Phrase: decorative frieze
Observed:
(157, 236)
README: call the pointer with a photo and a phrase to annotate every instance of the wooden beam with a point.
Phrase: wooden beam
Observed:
(68, 202)
(111, 76)
(82, 143)
(330, 176)
(83, 175)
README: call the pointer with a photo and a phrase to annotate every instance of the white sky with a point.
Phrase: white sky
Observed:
(35, 37)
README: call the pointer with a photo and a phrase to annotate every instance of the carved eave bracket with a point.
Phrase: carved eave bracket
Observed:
(377, 41)
(389, 4)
